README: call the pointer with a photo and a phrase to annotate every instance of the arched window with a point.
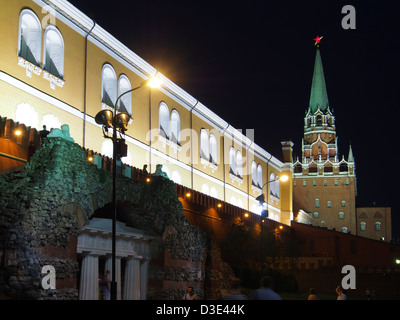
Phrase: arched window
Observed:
(27, 115)
(277, 188)
(53, 53)
(341, 215)
(254, 177)
(51, 121)
(204, 145)
(205, 189)
(319, 120)
(316, 215)
(107, 148)
(175, 127)
(377, 226)
(239, 164)
(363, 226)
(240, 203)
(108, 85)
(232, 161)
(298, 168)
(125, 103)
(30, 37)
(127, 160)
(163, 120)
(344, 229)
(259, 176)
(272, 188)
(213, 149)
(213, 192)
(317, 203)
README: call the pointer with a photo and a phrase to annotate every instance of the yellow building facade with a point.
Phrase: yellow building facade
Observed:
(59, 67)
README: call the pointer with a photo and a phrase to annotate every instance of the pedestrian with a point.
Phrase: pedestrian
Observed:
(103, 286)
(190, 295)
(265, 292)
(236, 292)
(341, 293)
(368, 294)
(312, 295)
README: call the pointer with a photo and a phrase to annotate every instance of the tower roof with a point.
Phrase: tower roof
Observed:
(319, 95)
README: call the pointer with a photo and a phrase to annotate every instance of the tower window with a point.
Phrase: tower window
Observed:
(341, 215)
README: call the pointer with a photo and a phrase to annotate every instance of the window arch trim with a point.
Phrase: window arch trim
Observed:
(53, 52)
(29, 37)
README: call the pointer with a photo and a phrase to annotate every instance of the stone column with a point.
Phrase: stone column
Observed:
(89, 284)
(132, 279)
(144, 267)
(108, 266)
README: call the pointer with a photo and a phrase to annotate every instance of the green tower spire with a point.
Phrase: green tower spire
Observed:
(319, 95)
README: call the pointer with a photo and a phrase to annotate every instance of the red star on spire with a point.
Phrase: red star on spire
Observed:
(317, 40)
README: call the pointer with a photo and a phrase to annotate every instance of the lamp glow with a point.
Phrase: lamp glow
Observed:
(284, 178)
(154, 82)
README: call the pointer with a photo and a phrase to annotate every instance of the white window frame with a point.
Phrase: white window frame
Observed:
(32, 34)
(53, 52)
(163, 120)
(108, 85)
(175, 127)
(124, 85)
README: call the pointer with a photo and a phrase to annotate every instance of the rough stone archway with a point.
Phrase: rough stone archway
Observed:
(44, 207)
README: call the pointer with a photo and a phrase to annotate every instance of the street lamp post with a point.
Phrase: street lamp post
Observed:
(118, 122)
(264, 213)
(397, 269)
(261, 199)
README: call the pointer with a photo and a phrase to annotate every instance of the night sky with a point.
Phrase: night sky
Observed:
(251, 62)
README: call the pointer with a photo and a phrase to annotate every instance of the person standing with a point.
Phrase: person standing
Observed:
(190, 295)
(312, 295)
(265, 292)
(341, 293)
(103, 286)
